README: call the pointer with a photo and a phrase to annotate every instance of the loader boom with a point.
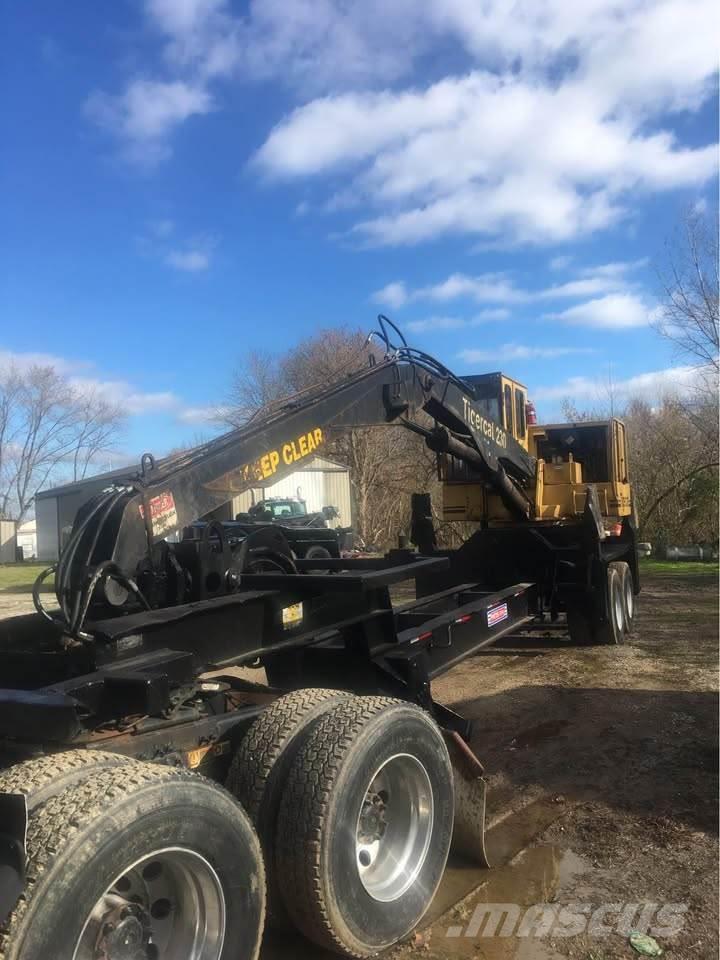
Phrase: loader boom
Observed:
(118, 532)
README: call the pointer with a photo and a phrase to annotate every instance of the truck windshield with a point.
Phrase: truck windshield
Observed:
(287, 508)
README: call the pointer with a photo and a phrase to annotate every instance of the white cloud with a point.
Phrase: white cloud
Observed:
(203, 415)
(123, 394)
(392, 295)
(558, 125)
(25, 361)
(488, 287)
(189, 261)
(179, 17)
(163, 241)
(519, 351)
(495, 313)
(454, 157)
(652, 386)
(499, 288)
(616, 311)
(162, 229)
(561, 262)
(431, 324)
(618, 268)
(146, 113)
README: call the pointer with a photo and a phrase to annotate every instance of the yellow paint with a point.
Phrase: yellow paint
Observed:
(195, 757)
(292, 615)
(289, 453)
(560, 489)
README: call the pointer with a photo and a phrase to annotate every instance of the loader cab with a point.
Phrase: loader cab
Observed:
(503, 400)
(572, 456)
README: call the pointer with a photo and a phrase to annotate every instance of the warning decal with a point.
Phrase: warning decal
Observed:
(163, 514)
(497, 614)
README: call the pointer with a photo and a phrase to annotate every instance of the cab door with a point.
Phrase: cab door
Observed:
(508, 415)
(521, 417)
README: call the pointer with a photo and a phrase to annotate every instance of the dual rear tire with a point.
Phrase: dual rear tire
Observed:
(364, 826)
(351, 797)
(141, 862)
(587, 629)
(353, 800)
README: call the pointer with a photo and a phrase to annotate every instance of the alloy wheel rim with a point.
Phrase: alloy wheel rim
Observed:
(166, 905)
(394, 827)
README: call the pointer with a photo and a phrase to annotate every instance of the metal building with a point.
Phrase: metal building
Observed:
(55, 509)
(320, 482)
(8, 541)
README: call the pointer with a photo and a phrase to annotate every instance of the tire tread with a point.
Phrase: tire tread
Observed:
(37, 777)
(264, 742)
(54, 825)
(304, 810)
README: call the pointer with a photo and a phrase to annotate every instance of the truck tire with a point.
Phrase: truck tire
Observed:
(45, 777)
(258, 772)
(628, 592)
(584, 627)
(365, 825)
(142, 854)
(318, 553)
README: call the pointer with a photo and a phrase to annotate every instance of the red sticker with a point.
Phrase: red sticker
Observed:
(163, 514)
(497, 614)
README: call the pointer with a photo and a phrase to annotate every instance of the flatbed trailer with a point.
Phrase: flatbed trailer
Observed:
(393, 652)
(154, 803)
(354, 641)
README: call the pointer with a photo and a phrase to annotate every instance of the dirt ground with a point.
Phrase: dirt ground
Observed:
(602, 771)
(602, 789)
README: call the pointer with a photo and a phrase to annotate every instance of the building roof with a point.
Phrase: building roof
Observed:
(317, 464)
(122, 473)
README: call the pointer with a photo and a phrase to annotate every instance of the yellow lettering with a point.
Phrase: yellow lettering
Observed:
(296, 455)
(303, 445)
(318, 437)
(274, 460)
(265, 466)
(287, 453)
(310, 443)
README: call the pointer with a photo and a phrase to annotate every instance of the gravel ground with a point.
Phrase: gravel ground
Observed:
(602, 772)
(611, 753)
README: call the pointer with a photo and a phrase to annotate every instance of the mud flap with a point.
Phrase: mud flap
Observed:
(13, 831)
(470, 788)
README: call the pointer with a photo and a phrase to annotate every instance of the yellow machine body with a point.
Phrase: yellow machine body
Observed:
(569, 458)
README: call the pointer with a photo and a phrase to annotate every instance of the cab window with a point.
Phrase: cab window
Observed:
(507, 403)
(520, 426)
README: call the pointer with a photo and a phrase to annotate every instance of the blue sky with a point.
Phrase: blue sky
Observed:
(184, 180)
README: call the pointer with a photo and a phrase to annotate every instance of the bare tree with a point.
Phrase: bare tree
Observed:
(253, 387)
(689, 278)
(385, 464)
(48, 430)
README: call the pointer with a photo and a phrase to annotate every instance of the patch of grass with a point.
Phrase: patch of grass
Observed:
(20, 577)
(679, 567)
